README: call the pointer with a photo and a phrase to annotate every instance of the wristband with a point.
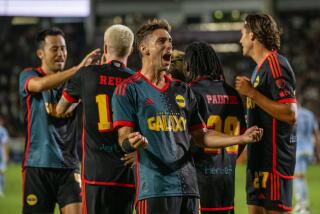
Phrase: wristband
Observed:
(127, 147)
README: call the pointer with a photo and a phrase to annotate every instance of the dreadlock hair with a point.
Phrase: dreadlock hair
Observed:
(149, 27)
(41, 36)
(201, 60)
(266, 30)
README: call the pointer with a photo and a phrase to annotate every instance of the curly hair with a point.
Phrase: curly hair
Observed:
(149, 27)
(266, 30)
(201, 59)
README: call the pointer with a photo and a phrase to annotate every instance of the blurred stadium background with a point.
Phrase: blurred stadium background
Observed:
(214, 21)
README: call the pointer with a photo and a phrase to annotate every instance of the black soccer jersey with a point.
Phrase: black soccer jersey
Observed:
(275, 79)
(222, 109)
(94, 85)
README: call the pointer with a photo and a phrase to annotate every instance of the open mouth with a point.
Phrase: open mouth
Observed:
(167, 57)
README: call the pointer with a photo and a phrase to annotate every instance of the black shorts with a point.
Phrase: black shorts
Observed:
(107, 199)
(44, 187)
(168, 205)
(218, 212)
(269, 190)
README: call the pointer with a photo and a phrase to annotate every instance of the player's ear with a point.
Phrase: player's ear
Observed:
(105, 48)
(144, 49)
(40, 53)
(252, 36)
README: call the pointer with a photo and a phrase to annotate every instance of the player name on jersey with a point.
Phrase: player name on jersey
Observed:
(110, 80)
(222, 99)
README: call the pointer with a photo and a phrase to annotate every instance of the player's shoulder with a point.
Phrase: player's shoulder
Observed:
(128, 84)
(31, 71)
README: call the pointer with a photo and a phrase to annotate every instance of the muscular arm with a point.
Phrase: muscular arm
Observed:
(38, 84)
(285, 112)
(213, 139)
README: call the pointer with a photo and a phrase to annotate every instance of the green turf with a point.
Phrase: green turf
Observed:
(11, 203)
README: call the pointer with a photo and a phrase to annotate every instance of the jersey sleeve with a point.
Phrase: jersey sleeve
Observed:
(24, 78)
(195, 120)
(281, 82)
(123, 107)
(72, 90)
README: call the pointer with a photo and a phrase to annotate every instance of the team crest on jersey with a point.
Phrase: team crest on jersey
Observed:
(32, 199)
(180, 101)
(256, 82)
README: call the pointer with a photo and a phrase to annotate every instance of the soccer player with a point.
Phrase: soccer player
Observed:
(307, 128)
(271, 104)
(108, 185)
(50, 165)
(221, 107)
(157, 117)
(4, 153)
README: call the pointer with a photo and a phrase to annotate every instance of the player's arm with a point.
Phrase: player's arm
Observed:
(129, 140)
(63, 106)
(214, 139)
(38, 84)
(285, 112)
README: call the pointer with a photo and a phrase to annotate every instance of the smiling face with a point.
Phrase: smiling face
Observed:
(157, 47)
(246, 41)
(53, 53)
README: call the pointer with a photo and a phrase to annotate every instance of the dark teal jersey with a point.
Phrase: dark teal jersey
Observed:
(165, 117)
(50, 140)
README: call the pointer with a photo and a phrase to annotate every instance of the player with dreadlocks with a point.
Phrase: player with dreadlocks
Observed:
(221, 108)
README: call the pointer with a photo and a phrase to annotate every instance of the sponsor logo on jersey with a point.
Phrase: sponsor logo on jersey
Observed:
(32, 199)
(180, 101)
(170, 122)
(256, 82)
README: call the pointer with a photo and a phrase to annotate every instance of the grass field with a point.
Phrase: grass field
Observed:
(11, 203)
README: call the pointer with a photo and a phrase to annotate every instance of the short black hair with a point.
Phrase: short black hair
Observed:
(202, 60)
(41, 36)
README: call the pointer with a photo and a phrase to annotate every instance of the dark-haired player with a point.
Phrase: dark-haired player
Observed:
(158, 116)
(107, 184)
(271, 104)
(50, 164)
(221, 108)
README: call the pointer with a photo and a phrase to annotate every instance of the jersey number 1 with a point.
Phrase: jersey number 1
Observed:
(105, 122)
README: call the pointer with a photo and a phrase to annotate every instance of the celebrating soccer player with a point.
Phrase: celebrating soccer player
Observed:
(271, 104)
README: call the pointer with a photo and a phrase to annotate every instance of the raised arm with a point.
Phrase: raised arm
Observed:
(285, 112)
(38, 84)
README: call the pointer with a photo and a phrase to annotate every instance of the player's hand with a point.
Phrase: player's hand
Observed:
(129, 159)
(91, 58)
(137, 140)
(252, 134)
(243, 85)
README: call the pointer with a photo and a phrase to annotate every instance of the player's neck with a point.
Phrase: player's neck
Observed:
(259, 54)
(123, 60)
(46, 69)
(156, 77)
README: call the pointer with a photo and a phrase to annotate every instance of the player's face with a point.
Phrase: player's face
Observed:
(246, 41)
(54, 53)
(159, 47)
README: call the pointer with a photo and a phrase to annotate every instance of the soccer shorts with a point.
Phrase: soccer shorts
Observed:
(44, 187)
(168, 205)
(269, 190)
(107, 199)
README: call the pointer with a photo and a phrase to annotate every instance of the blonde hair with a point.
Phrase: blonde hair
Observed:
(119, 39)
